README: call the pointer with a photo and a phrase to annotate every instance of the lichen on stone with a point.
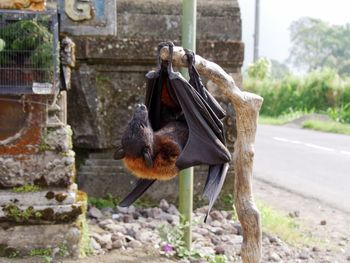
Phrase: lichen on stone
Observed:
(26, 188)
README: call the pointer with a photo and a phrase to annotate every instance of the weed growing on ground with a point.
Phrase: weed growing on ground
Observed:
(173, 244)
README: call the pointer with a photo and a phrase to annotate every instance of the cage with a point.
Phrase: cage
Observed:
(29, 52)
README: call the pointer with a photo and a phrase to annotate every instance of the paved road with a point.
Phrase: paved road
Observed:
(311, 163)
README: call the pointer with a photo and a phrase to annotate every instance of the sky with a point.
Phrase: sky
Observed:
(276, 17)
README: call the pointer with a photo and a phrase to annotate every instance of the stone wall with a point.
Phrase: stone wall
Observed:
(109, 78)
(40, 206)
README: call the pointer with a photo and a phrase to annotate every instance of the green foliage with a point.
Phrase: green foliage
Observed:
(173, 238)
(282, 119)
(317, 44)
(40, 252)
(27, 39)
(2, 44)
(19, 215)
(279, 70)
(334, 127)
(287, 228)
(26, 188)
(261, 69)
(318, 91)
(108, 201)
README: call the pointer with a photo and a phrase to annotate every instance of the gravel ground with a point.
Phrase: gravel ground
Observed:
(132, 235)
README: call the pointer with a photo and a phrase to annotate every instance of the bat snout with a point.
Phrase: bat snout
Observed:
(141, 107)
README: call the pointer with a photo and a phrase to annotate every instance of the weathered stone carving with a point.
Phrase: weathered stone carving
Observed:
(78, 10)
(67, 59)
(33, 5)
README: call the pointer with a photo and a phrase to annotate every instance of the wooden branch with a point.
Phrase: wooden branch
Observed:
(247, 106)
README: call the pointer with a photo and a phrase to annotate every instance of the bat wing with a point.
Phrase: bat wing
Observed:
(141, 186)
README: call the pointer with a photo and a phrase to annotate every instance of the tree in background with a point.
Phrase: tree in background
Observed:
(279, 70)
(317, 44)
(260, 69)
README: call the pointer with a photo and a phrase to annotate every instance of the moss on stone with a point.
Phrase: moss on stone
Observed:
(32, 216)
(26, 188)
(9, 252)
(18, 215)
(50, 195)
(85, 244)
(60, 197)
(40, 252)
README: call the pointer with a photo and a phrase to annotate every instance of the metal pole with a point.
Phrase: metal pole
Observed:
(256, 30)
(189, 26)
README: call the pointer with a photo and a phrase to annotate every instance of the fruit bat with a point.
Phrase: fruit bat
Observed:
(179, 126)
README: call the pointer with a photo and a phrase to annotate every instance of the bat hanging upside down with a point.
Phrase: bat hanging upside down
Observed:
(179, 126)
(152, 155)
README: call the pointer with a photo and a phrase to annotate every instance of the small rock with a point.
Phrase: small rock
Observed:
(117, 244)
(105, 240)
(217, 231)
(323, 222)
(216, 215)
(155, 213)
(126, 210)
(215, 240)
(173, 210)
(274, 257)
(294, 214)
(274, 240)
(169, 218)
(115, 216)
(127, 218)
(216, 223)
(164, 205)
(94, 244)
(114, 228)
(202, 231)
(316, 249)
(106, 222)
(202, 210)
(107, 211)
(304, 256)
(238, 228)
(342, 244)
(95, 213)
(196, 236)
(219, 250)
(117, 236)
(348, 258)
(136, 215)
(135, 244)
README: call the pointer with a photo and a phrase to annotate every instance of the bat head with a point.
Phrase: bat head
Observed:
(137, 140)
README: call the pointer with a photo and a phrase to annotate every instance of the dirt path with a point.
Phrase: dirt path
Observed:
(325, 222)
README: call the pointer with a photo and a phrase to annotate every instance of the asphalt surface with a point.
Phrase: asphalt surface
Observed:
(313, 164)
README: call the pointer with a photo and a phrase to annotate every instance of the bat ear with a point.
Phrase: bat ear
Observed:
(119, 153)
(148, 157)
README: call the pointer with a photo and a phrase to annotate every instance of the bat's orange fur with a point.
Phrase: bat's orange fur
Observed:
(164, 168)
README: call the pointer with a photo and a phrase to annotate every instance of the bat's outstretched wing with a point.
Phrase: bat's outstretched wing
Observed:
(141, 186)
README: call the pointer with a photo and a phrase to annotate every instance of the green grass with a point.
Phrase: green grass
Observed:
(329, 126)
(288, 229)
(280, 120)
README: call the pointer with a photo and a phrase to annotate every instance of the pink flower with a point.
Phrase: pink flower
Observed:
(167, 248)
